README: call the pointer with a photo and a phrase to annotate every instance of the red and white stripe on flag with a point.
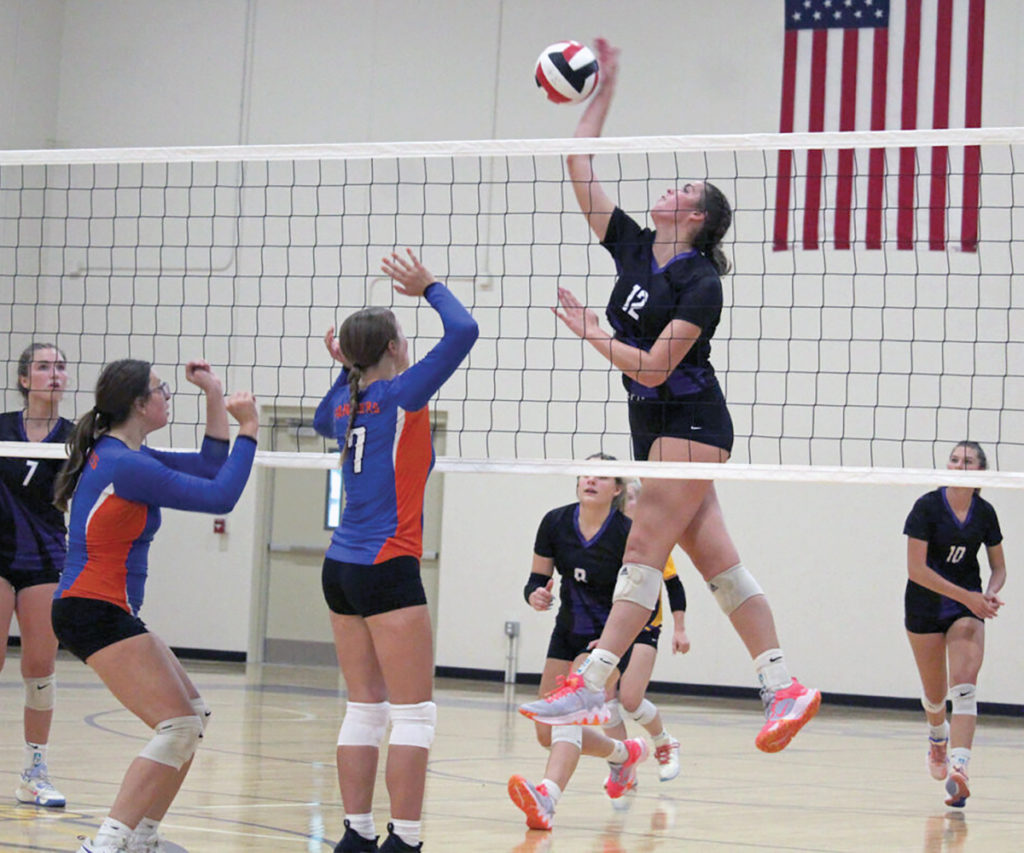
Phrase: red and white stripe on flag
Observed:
(878, 65)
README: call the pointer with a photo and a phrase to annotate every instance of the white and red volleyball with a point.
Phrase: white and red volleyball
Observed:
(567, 72)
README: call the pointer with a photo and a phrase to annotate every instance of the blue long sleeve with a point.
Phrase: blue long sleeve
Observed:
(323, 420)
(145, 478)
(206, 463)
(419, 383)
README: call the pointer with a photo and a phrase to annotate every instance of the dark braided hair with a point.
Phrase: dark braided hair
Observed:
(121, 383)
(364, 338)
(717, 219)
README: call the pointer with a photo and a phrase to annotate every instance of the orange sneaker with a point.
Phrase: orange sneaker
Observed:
(622, 777)
(956, 787)
(533, 800)
(938, 761)
(786, 711)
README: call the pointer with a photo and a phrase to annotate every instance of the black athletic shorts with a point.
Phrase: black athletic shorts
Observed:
(701, 417)
(357, 589)
(917, 623)
(86, 625)
(565, 645)
(22, 578)
(649, 636)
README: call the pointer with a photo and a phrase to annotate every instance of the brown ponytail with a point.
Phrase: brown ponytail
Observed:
(717, 219)
(121, 383)
(364, 337)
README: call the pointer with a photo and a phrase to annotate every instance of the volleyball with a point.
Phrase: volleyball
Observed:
(566, 72)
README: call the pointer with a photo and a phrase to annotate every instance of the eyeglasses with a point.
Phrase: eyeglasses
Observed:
(163, 388)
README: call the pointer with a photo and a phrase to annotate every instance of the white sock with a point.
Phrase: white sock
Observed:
(147, 828)
(35, 753)
(407, 830)
(771, 669)
(553, 790)
(597, 668)
(620, 754)
(664, 739)
(939, 732)
(960, 756)
(112, 833)
(363, 824)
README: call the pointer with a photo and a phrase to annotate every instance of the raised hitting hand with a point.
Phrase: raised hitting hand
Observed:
(411, 276)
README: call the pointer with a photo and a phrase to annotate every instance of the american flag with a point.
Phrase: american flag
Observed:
(876, 65)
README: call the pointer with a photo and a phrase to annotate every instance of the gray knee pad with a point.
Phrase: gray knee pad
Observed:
(413, 725)
(567, 734)
(365, 724)
(644, 713)
(202, 711)
(615, 713)
(639, 584)
(732, 587)
(175, 741)
(964, 699)
(41, 693)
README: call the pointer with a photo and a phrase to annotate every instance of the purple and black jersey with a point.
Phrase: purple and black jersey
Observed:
(33, 535)
(589, 568)
(647, 297)
(952, 549)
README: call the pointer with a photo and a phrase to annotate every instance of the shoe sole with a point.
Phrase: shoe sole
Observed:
(779, 737)
(34, 802)
(577, 718)
(956, 787)
(519, 791)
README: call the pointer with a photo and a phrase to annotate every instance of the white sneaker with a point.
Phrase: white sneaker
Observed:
(89, 846)
(150, 844)
(35, 788)
(571, 703)
(667, 756)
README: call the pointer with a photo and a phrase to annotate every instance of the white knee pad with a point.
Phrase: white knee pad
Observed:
(964, 698)
(645, 712)
(615, 713)
(41, 693)
(639, 584)
(933, 707)
(365, 724)
(202, 711)
(413, 725)
(175, 741)
(732, 587)
(567, 734)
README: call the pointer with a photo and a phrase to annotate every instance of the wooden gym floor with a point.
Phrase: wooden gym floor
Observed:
(854, 780)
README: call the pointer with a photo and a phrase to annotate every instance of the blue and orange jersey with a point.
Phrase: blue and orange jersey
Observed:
(390, 452)
(32, 531)
(115, 511)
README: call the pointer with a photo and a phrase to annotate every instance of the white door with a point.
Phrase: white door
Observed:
(296, 625)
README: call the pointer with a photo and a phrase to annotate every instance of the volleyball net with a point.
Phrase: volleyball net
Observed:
(870, 319)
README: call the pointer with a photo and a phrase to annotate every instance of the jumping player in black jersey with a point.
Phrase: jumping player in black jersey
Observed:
(945, 611)
(664, 310)
(584, 541)
(32, 548)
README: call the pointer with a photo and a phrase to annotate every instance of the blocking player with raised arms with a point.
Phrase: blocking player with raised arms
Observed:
(377, 411)
(945, 611)
(584, 542)
(664, 309)
(32, 548)
(116, 486)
